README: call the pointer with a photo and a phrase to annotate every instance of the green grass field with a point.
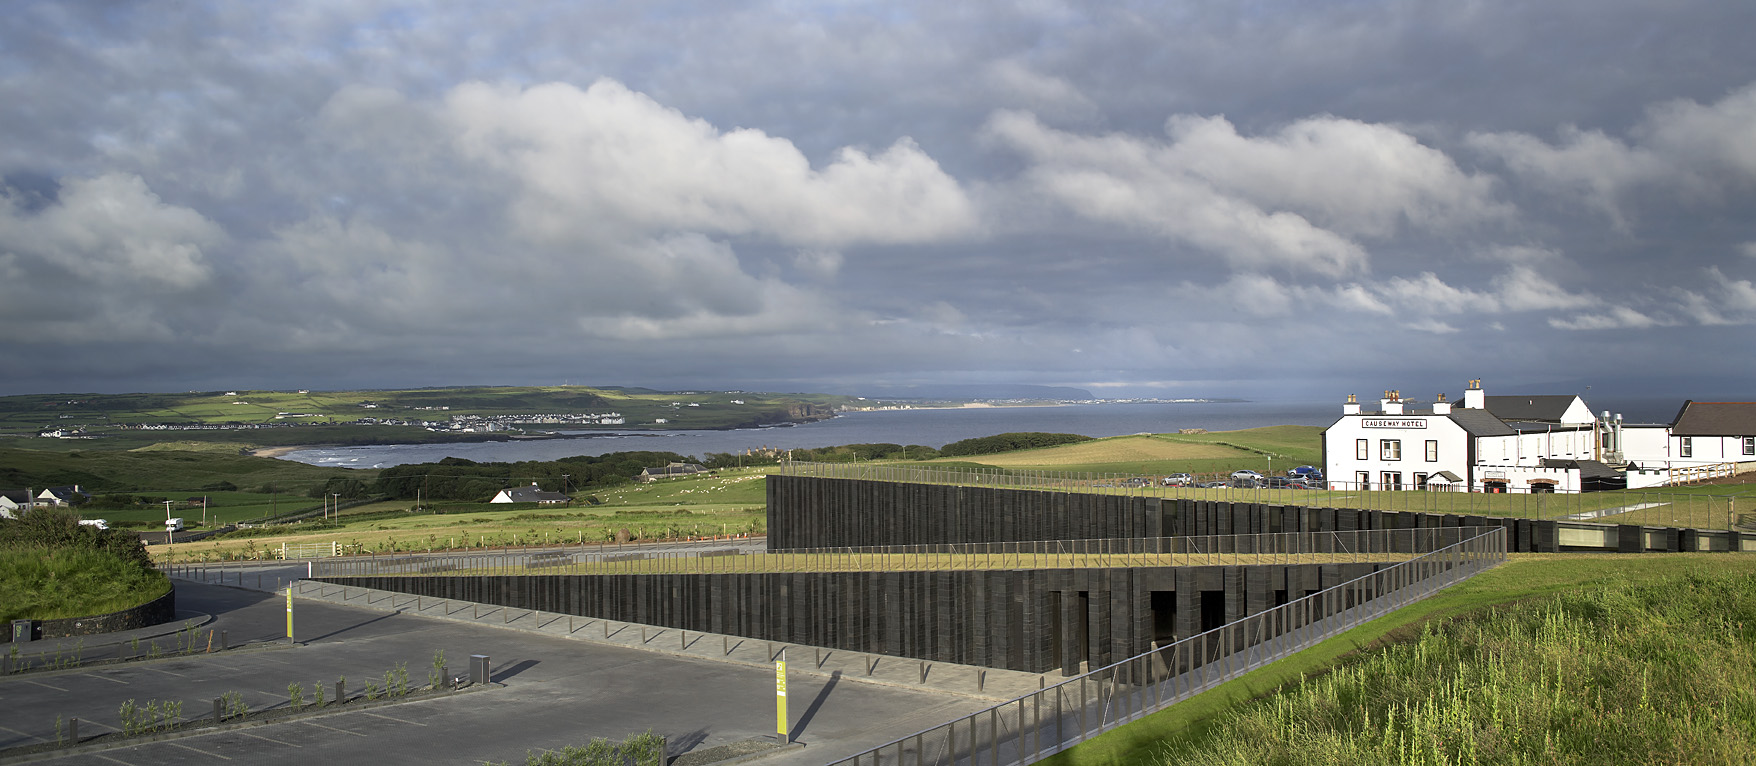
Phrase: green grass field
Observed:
(698, 506)
(1596, 620)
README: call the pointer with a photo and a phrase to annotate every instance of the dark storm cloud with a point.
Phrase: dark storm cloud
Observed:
(1139, 198)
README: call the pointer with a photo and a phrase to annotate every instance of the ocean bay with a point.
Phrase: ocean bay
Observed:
(928, 427)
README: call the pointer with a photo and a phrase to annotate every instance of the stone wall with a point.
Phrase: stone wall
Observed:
(155, 612)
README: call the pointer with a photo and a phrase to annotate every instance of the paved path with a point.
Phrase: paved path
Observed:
(549, 690)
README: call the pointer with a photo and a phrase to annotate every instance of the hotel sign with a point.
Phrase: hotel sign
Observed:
(1393, 423)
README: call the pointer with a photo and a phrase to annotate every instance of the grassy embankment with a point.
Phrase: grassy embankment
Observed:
(1550, 658)
(52, 583)
(53, 567)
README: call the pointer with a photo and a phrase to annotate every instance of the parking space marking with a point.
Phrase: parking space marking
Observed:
(46, 686)
(105, 678)
(116, 760)
(197, 750)
(332, 728)
(166, 672)
(22, 734)
(268, 739)
(398, 720)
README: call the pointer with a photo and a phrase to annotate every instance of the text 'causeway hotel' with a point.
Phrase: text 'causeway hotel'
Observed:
(1531, 444)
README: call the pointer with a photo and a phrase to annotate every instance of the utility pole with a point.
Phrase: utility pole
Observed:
(337, 496)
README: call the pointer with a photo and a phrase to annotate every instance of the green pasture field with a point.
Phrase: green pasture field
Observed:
(1160, 454)
(221, 508)
(1549, 658)
(730, 504)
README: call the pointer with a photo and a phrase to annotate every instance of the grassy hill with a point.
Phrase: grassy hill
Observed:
(1170, 453)
(328, 417)
(158, 470)
(1549, 658)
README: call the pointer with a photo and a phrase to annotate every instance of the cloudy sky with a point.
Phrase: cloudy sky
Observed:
(1271, 199)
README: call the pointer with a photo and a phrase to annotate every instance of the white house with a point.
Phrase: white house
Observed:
(530, 494)
(1484, 444)
(1719, 435)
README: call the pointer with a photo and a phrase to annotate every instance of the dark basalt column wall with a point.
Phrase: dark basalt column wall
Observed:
(809, 512)
(1030, 620)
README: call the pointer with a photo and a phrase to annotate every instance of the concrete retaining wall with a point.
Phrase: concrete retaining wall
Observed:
(155, 612)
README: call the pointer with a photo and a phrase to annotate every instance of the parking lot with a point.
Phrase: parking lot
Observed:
(547, 692)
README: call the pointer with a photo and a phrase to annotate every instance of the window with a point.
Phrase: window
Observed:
(1685, 447)
(1391, 480)
(1420, 481)
(1362, 451)
(1362, 479)
(1750, 445)
(1432, 450)
(1389, 449)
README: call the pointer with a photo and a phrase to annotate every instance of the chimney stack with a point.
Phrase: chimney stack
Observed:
(1391, 404)
(1473, 396)
(1353, 405)
(1440, 406)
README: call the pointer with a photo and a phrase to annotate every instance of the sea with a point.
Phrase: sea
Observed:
(927, 427)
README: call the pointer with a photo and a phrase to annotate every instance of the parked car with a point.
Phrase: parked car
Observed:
(1305, 470)
(1179, 480)
(1246, 482)
(1246, 474)
(1284, 482)
(1212, 484)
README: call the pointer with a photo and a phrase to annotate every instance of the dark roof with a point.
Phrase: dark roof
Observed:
(1536, 408)
(1716, 419)
(1446, 475)
(1529, 427)
(1588, 469)
(1480, 423)
(20, 496)
(534, 495)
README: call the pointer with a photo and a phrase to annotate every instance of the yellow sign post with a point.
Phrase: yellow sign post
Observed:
(780, 701)
(290, 614)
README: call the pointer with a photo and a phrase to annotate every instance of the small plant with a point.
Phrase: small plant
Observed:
(371, 690)
(436, 674)
(134, 646)
(60, 731)
(128, 714)
(232, 705)
(296, 694)
(396, 680)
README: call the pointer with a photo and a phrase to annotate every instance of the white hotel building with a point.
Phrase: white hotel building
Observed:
(1531, 444)
(1484, 444)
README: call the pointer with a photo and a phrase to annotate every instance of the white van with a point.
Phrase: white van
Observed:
(99, 523)
(174, 525)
